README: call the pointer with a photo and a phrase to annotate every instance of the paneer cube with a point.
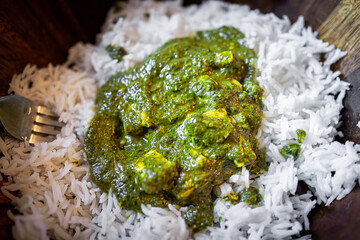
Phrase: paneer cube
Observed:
(154, 172)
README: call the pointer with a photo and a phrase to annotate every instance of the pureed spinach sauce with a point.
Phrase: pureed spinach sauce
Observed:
(180, 123)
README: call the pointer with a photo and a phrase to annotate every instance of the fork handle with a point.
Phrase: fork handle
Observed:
(15, 105)
(12, 115)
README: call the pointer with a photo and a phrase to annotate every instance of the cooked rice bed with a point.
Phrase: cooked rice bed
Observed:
(58, 199)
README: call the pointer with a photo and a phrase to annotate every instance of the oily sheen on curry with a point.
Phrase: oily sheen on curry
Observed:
(172, 128)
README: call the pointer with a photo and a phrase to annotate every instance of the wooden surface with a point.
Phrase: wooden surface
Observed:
(41, 31)
(342, 28)
(5, 222)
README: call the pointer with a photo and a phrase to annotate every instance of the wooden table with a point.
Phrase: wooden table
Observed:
(39, 32)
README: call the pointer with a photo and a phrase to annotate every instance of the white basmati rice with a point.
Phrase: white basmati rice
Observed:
(56, 197)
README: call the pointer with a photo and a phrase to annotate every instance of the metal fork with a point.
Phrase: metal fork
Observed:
(27, 121)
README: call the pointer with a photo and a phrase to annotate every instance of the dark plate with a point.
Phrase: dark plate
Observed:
(39, 32)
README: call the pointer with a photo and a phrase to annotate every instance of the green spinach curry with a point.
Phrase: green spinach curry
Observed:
(180, 123)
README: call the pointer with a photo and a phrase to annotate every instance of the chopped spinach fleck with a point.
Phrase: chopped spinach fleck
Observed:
(116, 52)
(250, 196)
(301, 134)
(291, 149)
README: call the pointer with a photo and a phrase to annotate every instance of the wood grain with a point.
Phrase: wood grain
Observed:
(39, 32)
(342, 28)
(351, 112)
(338, 221)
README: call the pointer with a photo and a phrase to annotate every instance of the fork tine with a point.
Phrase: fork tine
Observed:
(47, 121)
(45, 111)
(46, 126)
(45, 129)
(37, 138)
